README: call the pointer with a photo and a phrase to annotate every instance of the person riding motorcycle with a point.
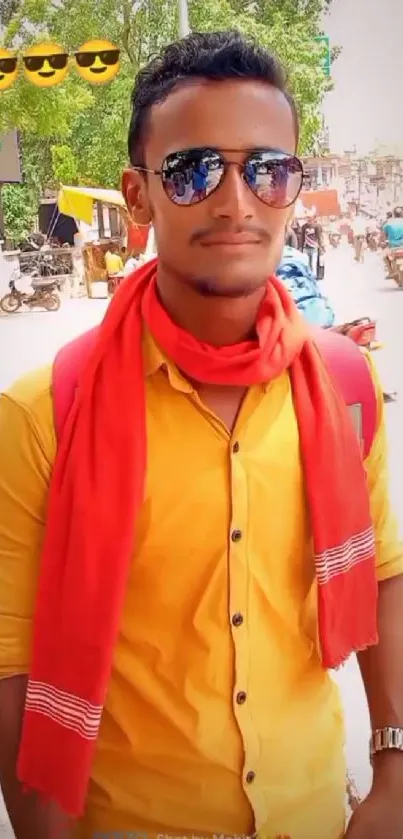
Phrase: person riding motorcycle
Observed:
(392, 236)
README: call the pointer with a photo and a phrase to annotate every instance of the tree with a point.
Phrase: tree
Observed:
(8, 9)
(77, 132)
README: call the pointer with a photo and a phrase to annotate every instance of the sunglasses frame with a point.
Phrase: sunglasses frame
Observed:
(29, 58)
(226, 164)
(97, 53)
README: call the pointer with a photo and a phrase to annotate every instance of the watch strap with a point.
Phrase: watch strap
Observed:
(385, 738)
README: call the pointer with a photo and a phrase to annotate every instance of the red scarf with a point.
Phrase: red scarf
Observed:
(96, 493)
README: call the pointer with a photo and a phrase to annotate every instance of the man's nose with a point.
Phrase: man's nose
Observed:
(233, 199)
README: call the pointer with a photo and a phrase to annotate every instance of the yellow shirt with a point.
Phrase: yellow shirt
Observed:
(113, 262)
(216, 673)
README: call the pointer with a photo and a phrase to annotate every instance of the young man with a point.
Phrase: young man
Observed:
(312, 242)
(177, 580)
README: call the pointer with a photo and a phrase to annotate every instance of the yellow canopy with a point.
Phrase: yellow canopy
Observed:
(78, 202)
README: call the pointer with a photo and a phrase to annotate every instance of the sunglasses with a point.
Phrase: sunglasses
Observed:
(192, 175)
(108, 57)
(8, 65)
(34, 63)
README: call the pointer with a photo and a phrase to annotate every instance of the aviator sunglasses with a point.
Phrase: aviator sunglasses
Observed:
(192, 175)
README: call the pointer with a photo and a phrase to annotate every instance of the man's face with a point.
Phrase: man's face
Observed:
(232, 115)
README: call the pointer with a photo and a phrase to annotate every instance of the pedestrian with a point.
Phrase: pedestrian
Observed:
(199, 181)
(291, 239)
(359, 226)
(114, 267)
(180, 575)
(312, 242)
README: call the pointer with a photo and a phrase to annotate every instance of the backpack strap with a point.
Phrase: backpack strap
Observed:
(350, 369)
(66, 369)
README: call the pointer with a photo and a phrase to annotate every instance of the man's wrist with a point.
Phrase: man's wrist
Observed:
(388, 775)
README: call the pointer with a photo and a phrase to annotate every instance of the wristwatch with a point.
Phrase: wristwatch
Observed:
(385, 738)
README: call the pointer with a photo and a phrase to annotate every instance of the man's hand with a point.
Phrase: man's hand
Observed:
(378, 817)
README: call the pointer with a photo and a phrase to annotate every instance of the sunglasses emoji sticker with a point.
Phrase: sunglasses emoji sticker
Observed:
(97, 61)
(46, 65)
(8, 69)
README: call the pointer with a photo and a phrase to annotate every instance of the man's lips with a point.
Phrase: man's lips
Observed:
(229, 239)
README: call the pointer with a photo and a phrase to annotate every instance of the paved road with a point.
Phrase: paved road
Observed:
(29, 340)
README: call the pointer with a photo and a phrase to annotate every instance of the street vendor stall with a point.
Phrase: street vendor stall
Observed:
(126, 239)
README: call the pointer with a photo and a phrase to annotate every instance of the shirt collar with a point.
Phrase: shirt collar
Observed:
(155, 360)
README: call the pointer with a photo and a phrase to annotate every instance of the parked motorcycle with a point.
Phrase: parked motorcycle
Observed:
(44, 296)
(362, 331)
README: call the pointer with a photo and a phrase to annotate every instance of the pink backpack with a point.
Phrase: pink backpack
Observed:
(343, 358)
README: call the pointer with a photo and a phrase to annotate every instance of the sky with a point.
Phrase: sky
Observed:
(365, 109)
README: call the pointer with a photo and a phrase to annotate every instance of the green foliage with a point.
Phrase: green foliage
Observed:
(76, 132)
(19, 210)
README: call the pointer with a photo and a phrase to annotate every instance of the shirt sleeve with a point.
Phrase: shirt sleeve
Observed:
(24, 479)
(389, 548)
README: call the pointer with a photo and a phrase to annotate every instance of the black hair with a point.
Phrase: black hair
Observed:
(398, 212)
(208, 55)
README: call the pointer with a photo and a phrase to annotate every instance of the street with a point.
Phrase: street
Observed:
(30, 339)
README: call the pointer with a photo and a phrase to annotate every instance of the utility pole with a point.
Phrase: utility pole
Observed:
(183, 18)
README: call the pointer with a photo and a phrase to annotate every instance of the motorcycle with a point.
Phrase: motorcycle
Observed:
(44, 296)
(334, 239)
(395, 259)
(372, 241)
(362, 331)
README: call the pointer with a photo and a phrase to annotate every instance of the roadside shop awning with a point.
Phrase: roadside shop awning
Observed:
(78, 202)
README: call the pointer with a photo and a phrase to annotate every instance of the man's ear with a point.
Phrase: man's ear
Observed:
(134, 191)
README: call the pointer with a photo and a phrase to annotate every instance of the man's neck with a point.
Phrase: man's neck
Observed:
(219, 321)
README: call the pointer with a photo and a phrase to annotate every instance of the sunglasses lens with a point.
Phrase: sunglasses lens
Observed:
(275, 178)
(8, 65)
(109, 57)
(191, 176)
(58, 62)
(33, 63)
(85, 59)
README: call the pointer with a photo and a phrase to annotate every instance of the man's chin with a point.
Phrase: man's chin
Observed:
(228, 288)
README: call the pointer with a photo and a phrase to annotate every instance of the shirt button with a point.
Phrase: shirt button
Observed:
(237, 619)
(250, 777)
(235, 447)
(241, 697)
(236, 535)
